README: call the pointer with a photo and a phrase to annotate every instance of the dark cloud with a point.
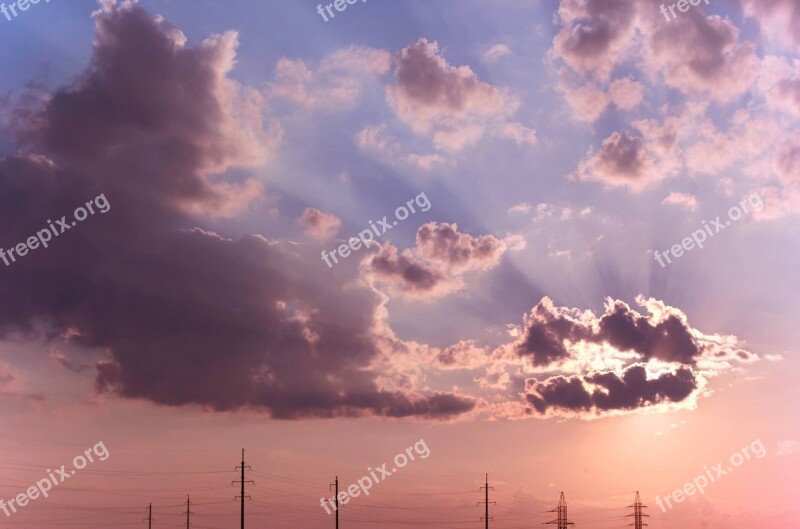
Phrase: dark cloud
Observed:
(611, 391)
(187, 316)
(442, 243)
(552, 334)
(408, 273)
(437, 262)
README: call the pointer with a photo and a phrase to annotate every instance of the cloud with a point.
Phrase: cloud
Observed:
(681, 199)
(183, 315)
(319, 224)
(336, 81)
(626, 93)
(618, 361)
(594, 35)
(608, 391)
(463, 355)
(442, 243)
(448, 103)
(409, 274)
(779, 20)
(703, 56)
(623, 160)
(436, 264)
(496, 51)
(378, 140)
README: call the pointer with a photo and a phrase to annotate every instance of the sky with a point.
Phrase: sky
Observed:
(551, 241)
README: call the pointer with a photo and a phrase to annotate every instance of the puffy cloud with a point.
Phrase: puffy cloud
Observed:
(587, 102)
(623, 160)
(449, 103)
(318, 223)
(442, 243)
(779, 20)
(595, 34)
(702, 55)
(462, 355)
(436, 264)
(626, 93)
(184, 316)
(408, 273)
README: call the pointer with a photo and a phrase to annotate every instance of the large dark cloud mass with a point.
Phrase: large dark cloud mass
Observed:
(186, 316)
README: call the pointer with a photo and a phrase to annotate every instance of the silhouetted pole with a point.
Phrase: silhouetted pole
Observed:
(336, 499)
(188, 511)
(150, 516)
(243, 481)
(486, 501)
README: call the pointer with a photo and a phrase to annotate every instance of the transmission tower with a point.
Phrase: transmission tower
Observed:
(486, 501)
(561, 521)
(335, 499)
(638, 514)
(188, 511)
(242, 481)
(149, 518)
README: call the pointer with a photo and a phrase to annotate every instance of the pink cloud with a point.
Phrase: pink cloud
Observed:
(319, 224)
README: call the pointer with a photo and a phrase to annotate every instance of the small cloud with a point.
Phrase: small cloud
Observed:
(319, 224)
(522, 207)
(496, 51)
(681, 199)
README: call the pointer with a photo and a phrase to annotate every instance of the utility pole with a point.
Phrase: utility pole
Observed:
(335, 499)
(638, 513)
(562, 521)
(188, 512)
(149, 518)
(486, 501)
(243, 481)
